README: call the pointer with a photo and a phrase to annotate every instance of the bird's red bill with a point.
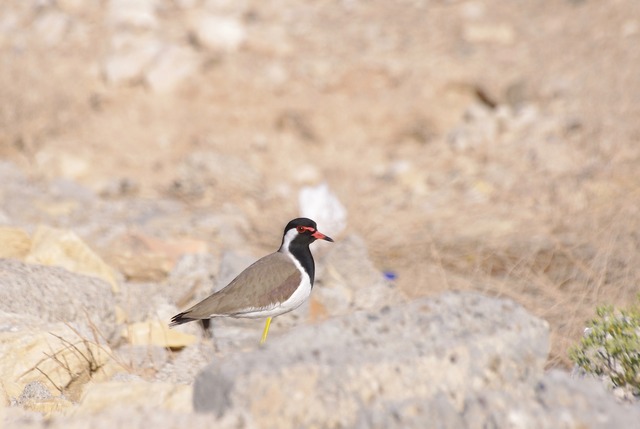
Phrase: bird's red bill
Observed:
(320, 236)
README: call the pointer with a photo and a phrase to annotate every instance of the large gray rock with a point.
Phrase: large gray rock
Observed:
(560, 399)
(56, 295)
(130, 418)
(324, 375)
(555, 401)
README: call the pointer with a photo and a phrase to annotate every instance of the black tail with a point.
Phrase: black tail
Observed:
(179, 319)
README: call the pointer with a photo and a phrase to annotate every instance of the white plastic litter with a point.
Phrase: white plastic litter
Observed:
(321, 205)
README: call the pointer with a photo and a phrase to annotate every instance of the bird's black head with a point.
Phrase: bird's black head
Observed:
(302, 231)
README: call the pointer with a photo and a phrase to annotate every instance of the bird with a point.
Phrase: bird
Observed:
(273, 285)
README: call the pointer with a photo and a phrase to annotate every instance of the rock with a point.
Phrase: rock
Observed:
(350, 281)
(218, 33)
(192, 278)
(16, 243)
(117, 187)
(99, 397)
(129, 59)
(630, 28)
(4, 218)
(140, 302)
(57, 163)
(231, 264)
(72, 6)
(56, 295)
(145, 360)
(480, 126)
(396, 369)
(66, 189)
(230, 225)
(208, 171)
(186, 4)
(122, 416)
(37, 397)
(186, 365)
(142, 257)
(157, 333)
(173, 66)
(52, 26)
(139, 14)
(416, 413)
(34, 390)
(579, 403)
(65, 249)
(307, 174)
(60, 356)
(451, 345)
(503, 34)
(11, 174)
(556, 400)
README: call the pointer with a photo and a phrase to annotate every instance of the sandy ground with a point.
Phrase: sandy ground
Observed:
(482, 145)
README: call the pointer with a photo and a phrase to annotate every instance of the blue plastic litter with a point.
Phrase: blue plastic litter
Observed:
(390, 275)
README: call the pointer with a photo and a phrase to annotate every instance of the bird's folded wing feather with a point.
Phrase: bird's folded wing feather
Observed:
(268, 281)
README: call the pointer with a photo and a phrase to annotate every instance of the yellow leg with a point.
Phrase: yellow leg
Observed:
(266, 331)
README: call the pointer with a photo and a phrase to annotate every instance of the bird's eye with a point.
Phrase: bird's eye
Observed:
(300, 229)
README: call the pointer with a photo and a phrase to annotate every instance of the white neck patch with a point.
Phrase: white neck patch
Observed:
(288, 238)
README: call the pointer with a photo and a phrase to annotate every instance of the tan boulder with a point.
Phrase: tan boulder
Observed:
(100, 397)
(157, 333)
(63, 248)
(63, 357)
(16, 243)
(142, 257)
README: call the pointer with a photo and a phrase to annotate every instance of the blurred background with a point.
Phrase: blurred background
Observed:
(478, 144)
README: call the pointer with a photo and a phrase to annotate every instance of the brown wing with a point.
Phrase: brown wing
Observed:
(269, 280)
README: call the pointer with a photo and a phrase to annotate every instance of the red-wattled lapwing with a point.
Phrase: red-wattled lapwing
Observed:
(274, 285)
